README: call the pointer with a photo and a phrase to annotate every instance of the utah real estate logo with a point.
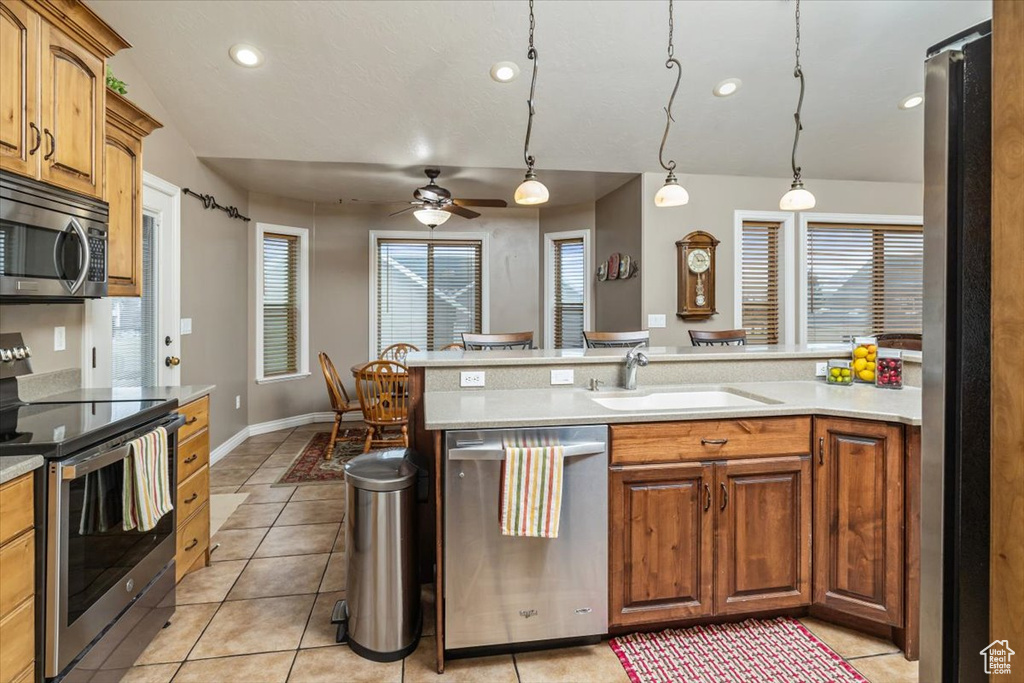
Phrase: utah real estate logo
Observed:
(997, 657)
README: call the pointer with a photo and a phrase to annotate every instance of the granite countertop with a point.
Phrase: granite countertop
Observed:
(547, 407)
(183, 394)
(656, 354)
(13, 466)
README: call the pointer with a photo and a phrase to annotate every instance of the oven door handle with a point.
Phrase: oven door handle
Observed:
(101, 460)
(492, 453)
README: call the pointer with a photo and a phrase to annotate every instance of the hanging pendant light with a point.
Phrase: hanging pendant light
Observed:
(797, 199)
(671, 193)
(531, 191)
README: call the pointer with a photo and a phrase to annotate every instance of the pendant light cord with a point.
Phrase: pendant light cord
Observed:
(798, 72)
(669, 64)
(531, 54)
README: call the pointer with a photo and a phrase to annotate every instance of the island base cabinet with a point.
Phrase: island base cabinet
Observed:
(858, 519)
(763, 534)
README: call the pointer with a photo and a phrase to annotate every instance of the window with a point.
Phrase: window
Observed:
(760, 281)
(862, 278)
(426, 292)
(566, 296)
(134, 350)
(282, 303)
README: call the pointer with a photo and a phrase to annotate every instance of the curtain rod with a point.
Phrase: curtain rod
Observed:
(210, 203)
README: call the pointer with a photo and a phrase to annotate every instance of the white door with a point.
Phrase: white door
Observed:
(133, 341)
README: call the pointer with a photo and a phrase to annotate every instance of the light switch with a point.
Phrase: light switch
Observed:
(655, 320)
(186, 326)
(59, 338)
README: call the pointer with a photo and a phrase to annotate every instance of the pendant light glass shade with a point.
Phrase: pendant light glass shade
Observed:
(797, 199)
(531, 191)
(671, 193)
(431, 217)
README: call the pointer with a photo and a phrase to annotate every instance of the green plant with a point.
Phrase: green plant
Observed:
(115, 84)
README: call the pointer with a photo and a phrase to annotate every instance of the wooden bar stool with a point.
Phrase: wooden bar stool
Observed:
(718, 337)
(606, 340)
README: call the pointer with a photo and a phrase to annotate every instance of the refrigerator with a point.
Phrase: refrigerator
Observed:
(956, 418)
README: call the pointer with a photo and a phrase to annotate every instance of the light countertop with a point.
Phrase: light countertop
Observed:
(13, 466)
(183, 394)
(548, 407)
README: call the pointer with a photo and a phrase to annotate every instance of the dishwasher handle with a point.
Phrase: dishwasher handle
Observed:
(494, 453)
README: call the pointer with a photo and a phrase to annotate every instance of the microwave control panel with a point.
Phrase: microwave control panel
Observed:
(97, 260)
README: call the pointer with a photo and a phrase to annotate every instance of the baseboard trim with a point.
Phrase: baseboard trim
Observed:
(244, 433)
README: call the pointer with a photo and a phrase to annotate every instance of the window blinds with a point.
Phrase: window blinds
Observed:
(863, 279)
(133, 342)
(569, 279)
(428, 292)
(280, 304)
(760, 281)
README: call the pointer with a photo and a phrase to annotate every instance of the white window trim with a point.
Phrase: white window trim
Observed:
(549, 282)
(857, 218)
(303, 235)
(787, 268)
(485, 287)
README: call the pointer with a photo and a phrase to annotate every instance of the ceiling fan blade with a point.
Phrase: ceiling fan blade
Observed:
(408, 208)
(459, 211)
(376, 201)
(499, 203)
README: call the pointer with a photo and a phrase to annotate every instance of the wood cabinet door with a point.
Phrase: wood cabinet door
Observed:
(763, 532)
(662, 543)
(73, 85)
(20, 135)
(122, 188)
(858, 518)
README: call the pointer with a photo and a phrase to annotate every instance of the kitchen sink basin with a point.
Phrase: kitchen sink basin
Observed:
(682, 400)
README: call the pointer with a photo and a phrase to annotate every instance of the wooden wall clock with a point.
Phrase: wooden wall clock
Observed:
(695, 297)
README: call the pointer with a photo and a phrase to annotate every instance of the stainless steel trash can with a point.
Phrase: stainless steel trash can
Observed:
(380, 617)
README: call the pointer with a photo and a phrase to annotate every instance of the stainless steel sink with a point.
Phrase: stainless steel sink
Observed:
(682, 400)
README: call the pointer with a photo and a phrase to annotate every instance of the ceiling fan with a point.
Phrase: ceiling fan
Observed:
(432, 204)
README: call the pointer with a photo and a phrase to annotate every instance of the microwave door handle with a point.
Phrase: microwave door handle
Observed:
(83, 255)
(90, 464)
(570, 451)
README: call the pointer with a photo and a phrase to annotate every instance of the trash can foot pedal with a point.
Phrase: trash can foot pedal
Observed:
(340, 617)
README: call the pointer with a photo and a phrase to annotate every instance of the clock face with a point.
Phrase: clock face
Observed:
(698, 260)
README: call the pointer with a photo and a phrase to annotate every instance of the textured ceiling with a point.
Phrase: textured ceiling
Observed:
(404, 84)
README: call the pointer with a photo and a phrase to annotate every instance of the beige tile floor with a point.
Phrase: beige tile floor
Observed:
(261, 612)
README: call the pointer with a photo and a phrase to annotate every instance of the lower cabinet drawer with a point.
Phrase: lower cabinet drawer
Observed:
(193, 454)
(15, 507)
(193, 540)
(17, 564)
(662, 442)
(17, 641)
(197, 417)
(193, 494)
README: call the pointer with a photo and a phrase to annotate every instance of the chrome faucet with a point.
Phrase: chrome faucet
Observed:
(633, 359)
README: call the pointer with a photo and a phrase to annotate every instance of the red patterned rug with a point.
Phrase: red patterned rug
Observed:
(312, 467)
(753, 650)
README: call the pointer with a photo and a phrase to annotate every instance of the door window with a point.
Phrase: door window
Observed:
(133, 320)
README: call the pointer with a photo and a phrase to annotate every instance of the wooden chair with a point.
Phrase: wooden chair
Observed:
(605, 340)
(718, 337)
(908, 341)
(397, 352)
(454, 346)
(383, 390)
(340, 402)
(506, 342)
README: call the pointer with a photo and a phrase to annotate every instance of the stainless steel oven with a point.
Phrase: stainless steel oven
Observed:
(94, 568)
(53, 243)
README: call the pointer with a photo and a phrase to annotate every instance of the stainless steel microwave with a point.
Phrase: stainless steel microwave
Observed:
(53, 243)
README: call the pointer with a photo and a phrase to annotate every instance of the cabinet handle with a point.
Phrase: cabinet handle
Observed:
(53, 143)
(725, 496)
(713, 442)
(191, 458)
(193, 544)
(192, 420)
(191, 498)
(39, 138)
(707, 497)
(821, 450)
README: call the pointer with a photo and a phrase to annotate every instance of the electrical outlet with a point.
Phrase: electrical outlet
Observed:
(820, 369)
(471, 379)
(563, 376)
(59, 338)
(186, 326)
(655, 320)
(238, 402)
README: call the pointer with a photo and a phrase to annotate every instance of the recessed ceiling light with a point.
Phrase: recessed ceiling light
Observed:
(503, 72)
(246, 55)
(911, 101)
(727, 87)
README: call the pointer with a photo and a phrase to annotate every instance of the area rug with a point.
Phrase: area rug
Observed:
(778, 649)
(311, 467)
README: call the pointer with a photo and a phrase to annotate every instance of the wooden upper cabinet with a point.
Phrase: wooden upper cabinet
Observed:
(858, 518)
(72, 113)
(20, 135)
(662, 543)
(126, 126)
(763, 533)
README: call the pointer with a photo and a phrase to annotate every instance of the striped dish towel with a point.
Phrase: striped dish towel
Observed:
(146, 493)
(531, 491)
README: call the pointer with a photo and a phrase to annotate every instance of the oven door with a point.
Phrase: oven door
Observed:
(95, 568)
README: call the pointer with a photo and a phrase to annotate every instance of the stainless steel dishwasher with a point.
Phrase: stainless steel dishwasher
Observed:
(502, 590)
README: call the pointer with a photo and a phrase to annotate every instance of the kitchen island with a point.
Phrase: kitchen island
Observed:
(739, 484)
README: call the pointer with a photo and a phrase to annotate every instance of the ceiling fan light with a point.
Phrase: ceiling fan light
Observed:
(797, 199)
(671, 193)
(531, 191)
(431, 217)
